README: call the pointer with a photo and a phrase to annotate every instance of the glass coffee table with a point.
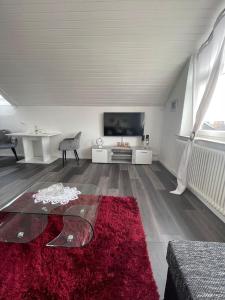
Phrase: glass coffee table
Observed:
(22, 220)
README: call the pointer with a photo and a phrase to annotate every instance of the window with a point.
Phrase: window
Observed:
(214, 121)
(3, 101)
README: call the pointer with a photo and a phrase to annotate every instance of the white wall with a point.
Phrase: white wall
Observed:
(172, 123)
(69, 120)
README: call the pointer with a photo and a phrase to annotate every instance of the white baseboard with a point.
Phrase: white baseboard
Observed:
(172, 171)
(58, 155)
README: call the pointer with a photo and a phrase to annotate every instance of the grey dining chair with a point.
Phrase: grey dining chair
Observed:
(8, 142)
(70, 144)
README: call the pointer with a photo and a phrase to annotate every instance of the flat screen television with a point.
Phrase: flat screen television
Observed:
(124, 124)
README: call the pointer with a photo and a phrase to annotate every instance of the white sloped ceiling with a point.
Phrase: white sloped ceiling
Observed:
(97, 52)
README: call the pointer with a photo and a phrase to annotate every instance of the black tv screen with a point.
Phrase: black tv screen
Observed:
(124, 124)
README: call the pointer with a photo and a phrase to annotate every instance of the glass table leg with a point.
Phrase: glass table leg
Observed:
(21, 228)
(76, 232)
(78, 229)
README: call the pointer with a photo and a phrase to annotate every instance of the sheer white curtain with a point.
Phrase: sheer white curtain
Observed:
(207, 65)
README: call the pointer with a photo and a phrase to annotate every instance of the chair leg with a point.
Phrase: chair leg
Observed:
(14, 152)
(65, 154)
(76, 155)
(63, 157)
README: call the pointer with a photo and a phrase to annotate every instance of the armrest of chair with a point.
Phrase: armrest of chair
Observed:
(69, 144)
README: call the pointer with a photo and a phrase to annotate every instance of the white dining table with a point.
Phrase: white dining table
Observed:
(28, 140)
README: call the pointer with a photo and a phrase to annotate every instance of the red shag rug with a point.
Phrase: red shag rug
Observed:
(115, 265)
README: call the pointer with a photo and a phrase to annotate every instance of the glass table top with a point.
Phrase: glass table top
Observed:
(25, 202)
(23, 220)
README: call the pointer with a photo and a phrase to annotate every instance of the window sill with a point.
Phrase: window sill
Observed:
(182, 137)
(212, 134)
(203, 139)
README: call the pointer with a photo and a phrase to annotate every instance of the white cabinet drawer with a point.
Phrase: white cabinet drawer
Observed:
(143, 157)
(99, 155)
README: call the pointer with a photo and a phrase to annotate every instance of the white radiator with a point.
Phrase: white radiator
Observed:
(206, 174)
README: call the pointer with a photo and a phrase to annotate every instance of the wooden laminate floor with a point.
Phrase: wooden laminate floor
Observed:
(165, 216)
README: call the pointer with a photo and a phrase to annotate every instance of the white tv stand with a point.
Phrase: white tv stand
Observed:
(112, 154)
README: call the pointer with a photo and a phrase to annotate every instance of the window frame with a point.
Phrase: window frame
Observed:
(212, 134)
